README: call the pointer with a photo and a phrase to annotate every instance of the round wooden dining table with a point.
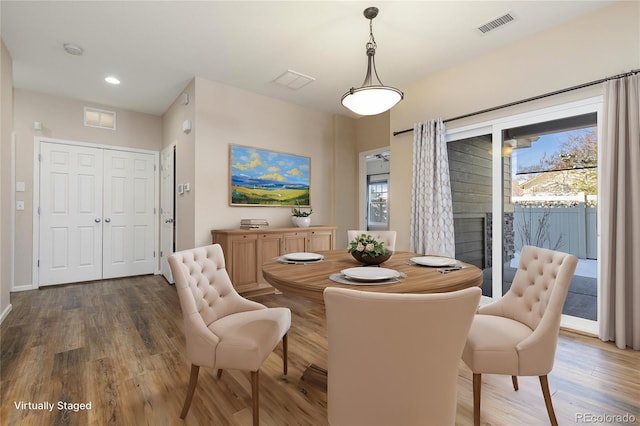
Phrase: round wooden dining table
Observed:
(309, 279)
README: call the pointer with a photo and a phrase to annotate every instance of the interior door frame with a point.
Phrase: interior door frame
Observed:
(37, 140)
(495, 128)
(362, 185)
(173, 147)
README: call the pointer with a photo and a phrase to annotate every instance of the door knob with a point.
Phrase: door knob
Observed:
(97, 220)
(108, 220)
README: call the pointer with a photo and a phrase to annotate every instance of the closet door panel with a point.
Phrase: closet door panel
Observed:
(70, 248)
(129, 214)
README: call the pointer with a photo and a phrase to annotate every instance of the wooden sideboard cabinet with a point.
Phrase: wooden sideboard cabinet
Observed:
(245, 250)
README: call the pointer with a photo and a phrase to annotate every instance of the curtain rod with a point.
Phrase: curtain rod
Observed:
(535, 98)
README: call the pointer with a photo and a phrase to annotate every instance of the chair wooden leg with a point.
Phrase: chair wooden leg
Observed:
(219, 373)
(477, 385)
(255, 385)
(285, 349)
(193, 380)
(514, 379)
(544, 384)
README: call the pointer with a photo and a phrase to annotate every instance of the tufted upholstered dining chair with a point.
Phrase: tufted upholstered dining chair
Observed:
(394, 358)
(223, 330)
(517, 335)
(388, 237)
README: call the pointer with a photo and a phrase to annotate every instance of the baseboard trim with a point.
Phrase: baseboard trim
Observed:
(5, 313)
(22, 288)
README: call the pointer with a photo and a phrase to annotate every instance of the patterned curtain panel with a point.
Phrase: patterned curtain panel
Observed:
(620, 197)
(431, 210)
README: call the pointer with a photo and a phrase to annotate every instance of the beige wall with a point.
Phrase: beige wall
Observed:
(226, 115)
(372, 132)
(220, 115)
(6, 127)
(345, 178)
(597, 45)
(62, 118)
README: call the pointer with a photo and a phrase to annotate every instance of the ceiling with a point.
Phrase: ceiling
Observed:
(156, 47)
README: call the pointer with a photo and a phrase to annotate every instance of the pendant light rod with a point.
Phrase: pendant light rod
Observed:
(371, 98)
(370, 13)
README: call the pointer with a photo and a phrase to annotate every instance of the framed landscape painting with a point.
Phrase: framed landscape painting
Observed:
(260, 177)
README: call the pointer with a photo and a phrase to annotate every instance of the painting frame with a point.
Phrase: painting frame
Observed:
(261, 177)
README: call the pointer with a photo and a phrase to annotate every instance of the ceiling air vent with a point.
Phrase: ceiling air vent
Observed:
(496, 23)
(293, 79)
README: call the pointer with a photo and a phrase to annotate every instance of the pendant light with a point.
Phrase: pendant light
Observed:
(371, 98)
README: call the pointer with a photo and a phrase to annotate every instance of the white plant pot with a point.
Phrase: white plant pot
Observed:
(301, 222)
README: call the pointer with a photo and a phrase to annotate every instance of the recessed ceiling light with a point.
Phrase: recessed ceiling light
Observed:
(112, 80)
(73, 49)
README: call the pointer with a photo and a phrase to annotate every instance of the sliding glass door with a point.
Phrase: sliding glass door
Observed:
(543, 191)
(552, 200)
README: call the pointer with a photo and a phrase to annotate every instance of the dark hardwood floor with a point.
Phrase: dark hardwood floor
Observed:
(118, 346)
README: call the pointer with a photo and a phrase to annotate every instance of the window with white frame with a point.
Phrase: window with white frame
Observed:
(378, 201)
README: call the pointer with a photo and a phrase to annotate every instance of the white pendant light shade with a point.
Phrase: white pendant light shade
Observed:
(371, 99)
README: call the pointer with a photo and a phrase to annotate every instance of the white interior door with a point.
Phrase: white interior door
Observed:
(167, 192)
(70, 214)
(128, 214)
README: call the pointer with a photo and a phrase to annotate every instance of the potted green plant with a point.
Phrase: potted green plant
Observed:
(366, 249)
(300, 218)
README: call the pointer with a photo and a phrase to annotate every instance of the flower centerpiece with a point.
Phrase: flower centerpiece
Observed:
(365, 249)
(300, 218)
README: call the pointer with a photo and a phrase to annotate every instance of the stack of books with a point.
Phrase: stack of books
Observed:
(254, 224)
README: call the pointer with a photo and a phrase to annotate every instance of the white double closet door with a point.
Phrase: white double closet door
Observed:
(97, 215)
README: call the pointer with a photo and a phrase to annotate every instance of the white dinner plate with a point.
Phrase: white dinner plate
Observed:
(303, 257)
(370, 274)
(436, 261)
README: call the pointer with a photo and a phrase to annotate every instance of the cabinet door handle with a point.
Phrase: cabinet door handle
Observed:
(108, 220)
(96, 220)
